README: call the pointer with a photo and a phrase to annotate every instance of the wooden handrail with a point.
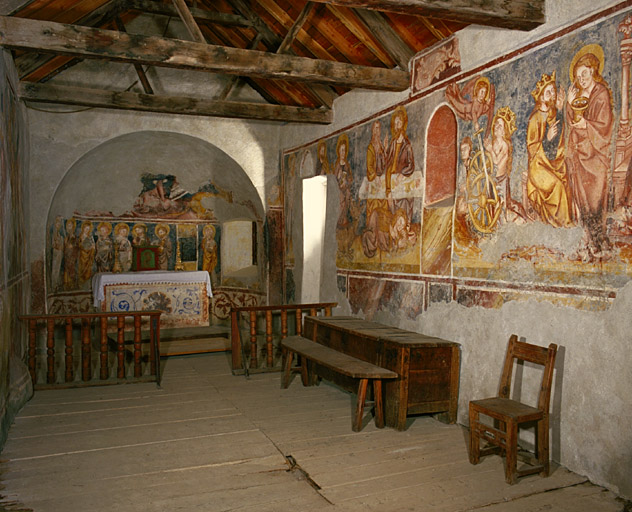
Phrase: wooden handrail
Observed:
(238, 350)
(86, 350)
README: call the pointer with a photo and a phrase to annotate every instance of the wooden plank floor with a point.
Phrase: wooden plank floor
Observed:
(210, 441)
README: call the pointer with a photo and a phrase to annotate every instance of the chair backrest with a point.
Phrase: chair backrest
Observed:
(521, 351)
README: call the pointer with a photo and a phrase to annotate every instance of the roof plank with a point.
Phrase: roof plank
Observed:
(73, 40)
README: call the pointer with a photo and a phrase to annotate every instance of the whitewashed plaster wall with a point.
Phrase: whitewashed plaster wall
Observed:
(592, 397)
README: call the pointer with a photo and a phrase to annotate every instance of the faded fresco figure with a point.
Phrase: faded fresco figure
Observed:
(344, 176)
(139, 235)
(87, 250)
(322, 166)
(104, 257)
(400, 160)
(122, 248)
(165, 247)
(209, 251)
(376, 234)
(161, 195)
(290, 198)
(71, 255)
(402, 236)
(474, 101)
(466, 148)
(57, 247)
(590, 121)
(501, 149)
(547, 181)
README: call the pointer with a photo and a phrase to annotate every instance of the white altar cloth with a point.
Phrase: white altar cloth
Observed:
(101, 279)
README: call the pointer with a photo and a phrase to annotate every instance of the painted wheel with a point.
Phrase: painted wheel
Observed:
(483, 203)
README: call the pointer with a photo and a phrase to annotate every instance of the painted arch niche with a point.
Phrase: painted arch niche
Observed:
(160, 189)
(441, 166)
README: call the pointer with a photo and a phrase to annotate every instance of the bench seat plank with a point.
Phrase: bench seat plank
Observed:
(337, 361)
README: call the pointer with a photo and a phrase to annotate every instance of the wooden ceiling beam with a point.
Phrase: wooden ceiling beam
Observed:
(124, 100)
(388, 38)
(512, 14)
(188, 20)
(200, 15)
(85, 42)
(142, 76)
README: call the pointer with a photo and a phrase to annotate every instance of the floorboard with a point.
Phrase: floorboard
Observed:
(206, 440)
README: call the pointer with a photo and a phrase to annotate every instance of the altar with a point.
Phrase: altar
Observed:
(183, 296)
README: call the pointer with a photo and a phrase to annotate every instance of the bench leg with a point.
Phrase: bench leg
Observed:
(379, 407)
(304, 371)
(287, 369)
(356, 424)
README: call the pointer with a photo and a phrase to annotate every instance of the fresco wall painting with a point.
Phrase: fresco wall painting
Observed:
(508, 182)
(185, 233)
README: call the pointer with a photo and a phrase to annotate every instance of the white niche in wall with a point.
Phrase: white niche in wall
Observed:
(314, 217)
(238, 248)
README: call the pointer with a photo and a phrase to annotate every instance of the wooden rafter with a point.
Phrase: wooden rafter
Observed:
(513, 14)
(45, 93)
(200, 15)
(73, 40)
(388, 38)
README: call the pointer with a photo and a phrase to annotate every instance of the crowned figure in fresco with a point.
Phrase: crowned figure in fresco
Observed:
(474, 101)
(122, 248)
(547, 181)
(104, 257)
(590, 120)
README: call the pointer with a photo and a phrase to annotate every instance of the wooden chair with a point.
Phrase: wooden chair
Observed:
(509, 414)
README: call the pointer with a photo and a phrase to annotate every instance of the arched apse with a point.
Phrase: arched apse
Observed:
(173, 184)
(440, 165)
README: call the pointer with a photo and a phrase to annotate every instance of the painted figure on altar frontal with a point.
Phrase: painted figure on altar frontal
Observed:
(547, 182)
(87, 250)
(104, 248)
(71, 255)
(590, 119)
(123, 248)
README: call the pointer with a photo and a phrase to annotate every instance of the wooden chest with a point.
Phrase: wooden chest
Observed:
(427, 367)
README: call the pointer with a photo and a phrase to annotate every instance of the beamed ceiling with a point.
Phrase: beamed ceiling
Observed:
(297, 55)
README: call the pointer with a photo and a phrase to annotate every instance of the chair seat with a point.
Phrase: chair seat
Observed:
(503, 408)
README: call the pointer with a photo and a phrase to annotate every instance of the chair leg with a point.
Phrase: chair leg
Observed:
(475, 442)
(288, 358)
(379, 407)
(511, 452)
(543, 445)
(356, 424)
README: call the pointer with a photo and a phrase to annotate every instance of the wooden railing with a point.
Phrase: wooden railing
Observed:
(247, 357)
(99, 338)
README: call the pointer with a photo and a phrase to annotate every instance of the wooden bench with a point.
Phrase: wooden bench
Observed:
(340, 363)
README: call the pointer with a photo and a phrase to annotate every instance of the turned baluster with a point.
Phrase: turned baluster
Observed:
(313, 311)
(137, 345)
(105, 371)
(86, 362)
(283, 323)
(328, 311)
(299, 321)
(120, 346)
(235, 339)
(32, 345)
(253, 339)
(50, 350)
(270, 354)
(70, 371)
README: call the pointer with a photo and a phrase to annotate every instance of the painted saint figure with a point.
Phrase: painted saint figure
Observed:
(123, 248)
(547, 183)
(399, 160)
(104, 248)
(164, 245)
(344, 176)
(139, 232)
(209, 251)
(474, 101)
(87, 250)
(590, 118)
(71, 255)
(322, 167)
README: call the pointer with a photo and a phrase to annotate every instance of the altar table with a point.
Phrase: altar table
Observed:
(183, 296)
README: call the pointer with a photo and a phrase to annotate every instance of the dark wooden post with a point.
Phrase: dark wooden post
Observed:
(50, 351)
(270, 353)
(235, 339)
(32, 351)
(154, 336)
(86, 363)
(120, 346)
(105, 370)
(253, 339)
(137, 346)
(70, 371)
